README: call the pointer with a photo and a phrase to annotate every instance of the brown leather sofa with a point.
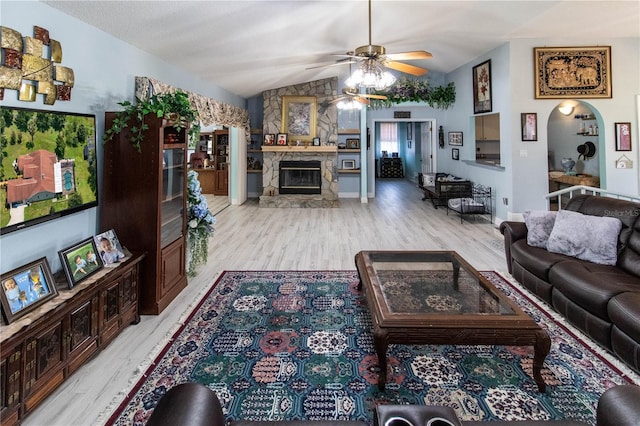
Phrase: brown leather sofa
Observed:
(601, 300)
(194, 404)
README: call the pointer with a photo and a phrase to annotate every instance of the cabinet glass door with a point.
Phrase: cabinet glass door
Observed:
(172, 202)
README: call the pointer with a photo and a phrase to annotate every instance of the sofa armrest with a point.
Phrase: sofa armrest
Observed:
(512, 231)
(517, 230)
(188, 404)
(619, 406)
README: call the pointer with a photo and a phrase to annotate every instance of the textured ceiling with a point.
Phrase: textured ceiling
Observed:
(247, 47)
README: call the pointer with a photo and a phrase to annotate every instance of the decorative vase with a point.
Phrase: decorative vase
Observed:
(567, 164)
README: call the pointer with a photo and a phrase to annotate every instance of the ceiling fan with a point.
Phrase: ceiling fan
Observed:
(373, 56)
(351, 94)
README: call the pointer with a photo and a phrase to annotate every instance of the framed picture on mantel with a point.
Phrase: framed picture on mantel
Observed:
(299, 117)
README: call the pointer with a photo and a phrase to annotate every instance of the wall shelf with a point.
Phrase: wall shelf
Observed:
(269, 148)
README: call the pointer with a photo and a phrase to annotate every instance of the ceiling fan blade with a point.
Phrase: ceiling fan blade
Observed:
(361, 100)
(406, 68)
(342, 62)
(338, 99)
(371, 96)
(409, 56)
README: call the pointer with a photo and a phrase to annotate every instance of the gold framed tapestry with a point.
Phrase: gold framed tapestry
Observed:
(572, 72)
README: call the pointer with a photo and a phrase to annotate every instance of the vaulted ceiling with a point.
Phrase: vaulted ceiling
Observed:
(247, 47)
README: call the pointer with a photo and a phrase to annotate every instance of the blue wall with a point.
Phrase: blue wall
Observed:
(104, 69)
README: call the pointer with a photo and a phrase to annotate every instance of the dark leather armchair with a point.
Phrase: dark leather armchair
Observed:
(194, 404)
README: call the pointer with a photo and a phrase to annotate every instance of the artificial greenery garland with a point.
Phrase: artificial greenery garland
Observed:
(413, 90)
(170, 106)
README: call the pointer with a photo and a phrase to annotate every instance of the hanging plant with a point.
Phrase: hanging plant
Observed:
(174, 107)
(413, 90)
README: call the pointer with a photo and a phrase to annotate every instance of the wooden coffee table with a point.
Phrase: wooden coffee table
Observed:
(436, 297)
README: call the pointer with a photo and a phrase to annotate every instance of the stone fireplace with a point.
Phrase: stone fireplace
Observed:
(324, 157)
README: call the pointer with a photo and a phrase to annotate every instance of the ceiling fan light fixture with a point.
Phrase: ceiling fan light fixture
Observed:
(349, 105)
(371, 76)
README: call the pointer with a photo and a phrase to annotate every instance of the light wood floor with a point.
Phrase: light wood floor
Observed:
(251, 238)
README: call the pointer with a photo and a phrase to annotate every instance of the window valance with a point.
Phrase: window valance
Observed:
(209, 110)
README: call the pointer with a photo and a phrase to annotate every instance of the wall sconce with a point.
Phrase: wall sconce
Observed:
(565, 109)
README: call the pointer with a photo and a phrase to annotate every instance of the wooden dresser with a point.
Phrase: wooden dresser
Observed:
(41, 350)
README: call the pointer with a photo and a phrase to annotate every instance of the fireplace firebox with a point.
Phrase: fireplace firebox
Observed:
(300, 177)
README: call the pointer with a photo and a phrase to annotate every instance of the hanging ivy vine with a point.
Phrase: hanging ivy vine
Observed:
(414, 90)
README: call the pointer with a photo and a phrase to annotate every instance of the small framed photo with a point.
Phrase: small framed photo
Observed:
(349, 164)
(316, 141)
(455, 153)
(623, 136)
(529, 126)
(282, 139)
(109, 248)
(25, 288)
(353, 143)
(80, 261)
(455, 138)
(269, 139)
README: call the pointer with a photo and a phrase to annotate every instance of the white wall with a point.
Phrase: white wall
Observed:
(104, 69)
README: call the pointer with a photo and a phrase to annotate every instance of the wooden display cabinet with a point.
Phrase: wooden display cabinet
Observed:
(144, 199)
(41, 350)
(221, 161)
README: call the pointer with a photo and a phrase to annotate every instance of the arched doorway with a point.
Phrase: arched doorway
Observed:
(573, 132)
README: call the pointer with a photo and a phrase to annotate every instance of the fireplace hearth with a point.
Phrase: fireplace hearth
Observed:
(300, 177)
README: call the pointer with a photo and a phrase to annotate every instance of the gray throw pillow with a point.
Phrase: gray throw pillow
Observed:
(539, 226)
(586, 237)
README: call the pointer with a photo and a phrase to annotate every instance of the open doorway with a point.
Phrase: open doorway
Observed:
(410, 145)
(575, 147)
(209, 157)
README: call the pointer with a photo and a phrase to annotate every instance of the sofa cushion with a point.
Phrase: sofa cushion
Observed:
(629, 214)
(586, 237)
(539, 227)
(624, 311)
(591, 285)
(536, 260)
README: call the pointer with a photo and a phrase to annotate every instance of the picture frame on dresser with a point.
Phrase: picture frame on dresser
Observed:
(80, 261)
(109, 248)
(25, 288)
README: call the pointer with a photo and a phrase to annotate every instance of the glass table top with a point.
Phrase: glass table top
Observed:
(433, 283)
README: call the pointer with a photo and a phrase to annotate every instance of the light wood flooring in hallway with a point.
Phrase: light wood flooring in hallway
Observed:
(248, 237)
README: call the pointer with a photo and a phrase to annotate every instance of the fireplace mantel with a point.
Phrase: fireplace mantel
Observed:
(269, 148)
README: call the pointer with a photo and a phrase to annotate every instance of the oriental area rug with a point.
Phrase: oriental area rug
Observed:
(285, 345)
